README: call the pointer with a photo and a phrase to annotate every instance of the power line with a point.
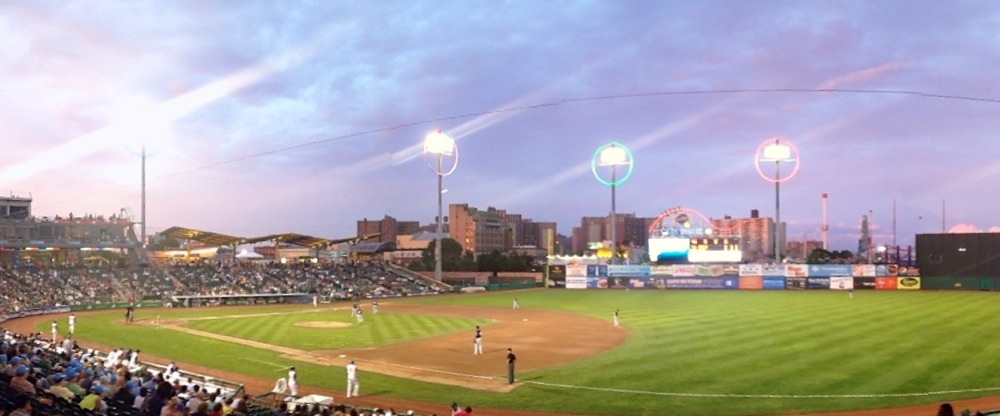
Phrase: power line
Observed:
(555, 104)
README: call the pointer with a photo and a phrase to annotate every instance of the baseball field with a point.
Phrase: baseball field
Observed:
(677, 353)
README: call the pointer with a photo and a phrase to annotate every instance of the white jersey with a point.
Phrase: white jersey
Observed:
(352, 372)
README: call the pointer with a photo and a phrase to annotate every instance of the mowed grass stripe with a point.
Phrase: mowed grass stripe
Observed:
(377, 329)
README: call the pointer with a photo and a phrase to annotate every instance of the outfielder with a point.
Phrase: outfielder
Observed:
(72, 324)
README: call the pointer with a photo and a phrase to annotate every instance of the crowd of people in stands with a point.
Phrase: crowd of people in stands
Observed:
(49, 379)
(41, 379)
(33, 288)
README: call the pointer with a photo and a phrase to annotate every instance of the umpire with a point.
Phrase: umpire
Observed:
(511, 358)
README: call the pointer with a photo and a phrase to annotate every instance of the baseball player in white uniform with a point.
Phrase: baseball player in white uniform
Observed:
(353, 385)
(293, 381)
(477, 342)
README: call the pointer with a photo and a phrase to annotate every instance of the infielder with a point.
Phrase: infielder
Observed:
(353, 385)
(516, 305)
(55, 331)
(617, 323)
(477, 342)
(359, 315)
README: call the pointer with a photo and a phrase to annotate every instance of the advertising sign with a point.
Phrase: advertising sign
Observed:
(628, 270)
(703, 283)
(576, 270)
(908, 283)
(864, 283)
(576, 283)
(752, 270)
(841, 283)
(863, 270)
(685, 270)
(797, 283)
(597, 270)
(556, 276)
(774, 270)
(597, 283)
(774, 283)
(662, 270)
(751, 282)
(818, 282)
(886, 283)
(617, 282)
(640, 283)
(796, 270)
(827, 270)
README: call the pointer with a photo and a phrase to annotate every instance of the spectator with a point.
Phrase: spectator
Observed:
(945, 410)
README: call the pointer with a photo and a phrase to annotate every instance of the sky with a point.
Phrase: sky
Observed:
(262, 117)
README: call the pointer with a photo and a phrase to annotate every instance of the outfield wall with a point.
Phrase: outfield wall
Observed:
(734, 276)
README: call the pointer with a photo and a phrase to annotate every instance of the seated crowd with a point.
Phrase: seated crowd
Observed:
(37, 378)
(34, 288)
(44, 379)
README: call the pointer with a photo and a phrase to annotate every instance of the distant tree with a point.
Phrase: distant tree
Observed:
(819, 256)
(451, 256)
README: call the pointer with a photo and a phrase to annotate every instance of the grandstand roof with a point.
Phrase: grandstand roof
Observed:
(207, 237)
(372, 248)
(302, 240)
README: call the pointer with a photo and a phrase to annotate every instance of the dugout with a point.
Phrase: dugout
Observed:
(964, 261)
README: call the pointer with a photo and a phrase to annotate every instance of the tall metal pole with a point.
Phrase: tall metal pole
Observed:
(142, 241)
(614, 220)
(777, 211)
(437, 237)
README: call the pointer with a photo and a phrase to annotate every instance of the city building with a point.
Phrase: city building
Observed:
(756, 235)
(386, 228)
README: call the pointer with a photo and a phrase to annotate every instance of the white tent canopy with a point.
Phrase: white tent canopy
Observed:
(248, 255)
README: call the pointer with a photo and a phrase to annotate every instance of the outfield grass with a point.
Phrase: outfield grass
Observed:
(689, 352)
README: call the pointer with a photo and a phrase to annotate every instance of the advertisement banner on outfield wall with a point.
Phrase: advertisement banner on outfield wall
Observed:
(774, 270)
(818, 282)
(883, 270)
(828, 270)
(841, 283)
(576, 283)
(657, 282)
(597, 270)
(908, 283)
(751, 282)
(685, 270)
(555, 276)
(703, 283)
(576, 270)
(662, 270)
(867, 270)
(866, 283)
(796, 270)
(796, 283)
(752, 270)
(886, 283)
(597, 283)
(908, 271)
(640, 283)
(774, 283)
(628, 270)
(617, 282)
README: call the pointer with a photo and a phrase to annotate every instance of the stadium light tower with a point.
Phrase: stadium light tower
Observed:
(612, 155)
(440, 145)
(777, 150)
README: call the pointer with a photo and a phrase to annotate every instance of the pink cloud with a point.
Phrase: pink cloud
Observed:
(964, 228)
(862, 75)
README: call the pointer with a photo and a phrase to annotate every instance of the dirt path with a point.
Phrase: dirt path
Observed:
(541, 339)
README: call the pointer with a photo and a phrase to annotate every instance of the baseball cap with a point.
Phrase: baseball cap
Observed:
(98, 389)
(22, 370)
(58, 377)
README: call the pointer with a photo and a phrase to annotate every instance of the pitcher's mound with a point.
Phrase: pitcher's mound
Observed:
(321, 324)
